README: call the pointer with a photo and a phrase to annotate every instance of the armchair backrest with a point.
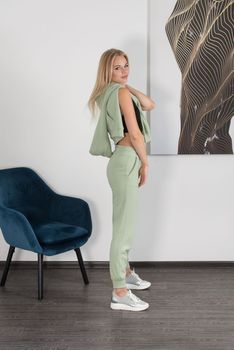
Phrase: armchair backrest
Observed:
(23, 190)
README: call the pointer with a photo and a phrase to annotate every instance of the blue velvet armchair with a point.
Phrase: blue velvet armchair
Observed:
(35, 218)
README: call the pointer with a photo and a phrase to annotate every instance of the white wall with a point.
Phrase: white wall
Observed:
(164, 80)
(49, 56)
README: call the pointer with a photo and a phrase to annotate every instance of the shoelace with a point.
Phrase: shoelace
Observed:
(135, 274)
(133, 296)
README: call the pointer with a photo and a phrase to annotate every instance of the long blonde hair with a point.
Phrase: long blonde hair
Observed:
(104, 75)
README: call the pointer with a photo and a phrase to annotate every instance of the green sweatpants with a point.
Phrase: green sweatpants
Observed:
(123, 177)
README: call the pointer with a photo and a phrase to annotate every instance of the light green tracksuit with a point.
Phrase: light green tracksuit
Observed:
(123, 176)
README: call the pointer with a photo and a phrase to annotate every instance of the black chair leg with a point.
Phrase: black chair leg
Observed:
(7, 265)
(40, 276)
(82, 267)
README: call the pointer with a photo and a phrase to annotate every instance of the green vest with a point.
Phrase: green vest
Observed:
(110, 122)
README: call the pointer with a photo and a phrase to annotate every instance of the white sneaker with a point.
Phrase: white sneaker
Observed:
(128, 302)
(133, 281)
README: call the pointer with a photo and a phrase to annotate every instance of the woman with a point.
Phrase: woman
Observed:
(121, 115)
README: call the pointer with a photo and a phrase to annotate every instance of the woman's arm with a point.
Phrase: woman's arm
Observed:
(146, 103)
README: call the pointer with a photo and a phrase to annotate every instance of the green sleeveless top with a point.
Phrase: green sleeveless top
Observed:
(110, 124)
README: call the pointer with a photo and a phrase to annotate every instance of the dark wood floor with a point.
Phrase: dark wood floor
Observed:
(191, 308)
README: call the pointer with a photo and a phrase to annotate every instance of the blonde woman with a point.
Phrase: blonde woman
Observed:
(122, 118)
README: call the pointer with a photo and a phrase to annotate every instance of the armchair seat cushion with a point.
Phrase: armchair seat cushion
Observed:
(55, 232)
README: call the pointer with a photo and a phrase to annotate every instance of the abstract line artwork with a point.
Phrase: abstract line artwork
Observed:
(201, 35)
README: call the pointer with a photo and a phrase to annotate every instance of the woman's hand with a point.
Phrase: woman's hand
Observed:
(143, 173)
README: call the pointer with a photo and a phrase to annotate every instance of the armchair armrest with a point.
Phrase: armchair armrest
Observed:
(17, 231)
(70, 210)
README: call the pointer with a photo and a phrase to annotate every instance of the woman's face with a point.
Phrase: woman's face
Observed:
(120, 70)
